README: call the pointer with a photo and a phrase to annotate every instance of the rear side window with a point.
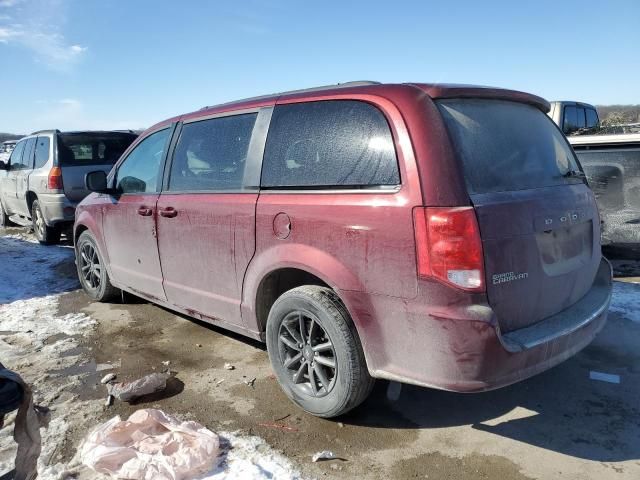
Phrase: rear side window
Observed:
(139, 172)
(592, 118)
(570, 121)
(77, 149)
(339, 144)
(42, 151)
(506, 146)
(211, 154)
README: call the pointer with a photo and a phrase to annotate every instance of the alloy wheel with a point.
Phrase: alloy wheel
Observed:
(90, 267)
(307, 354)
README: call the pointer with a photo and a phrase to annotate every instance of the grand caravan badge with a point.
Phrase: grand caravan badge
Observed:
(499, 278)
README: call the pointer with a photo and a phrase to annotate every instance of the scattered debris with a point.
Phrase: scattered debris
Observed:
(128, 391)
(282, 418)
(107, 366)
(199, 345)
(604, 377)
(109, 377)
(166, 363)
(324, 455)
(219, 381)
(150, 444)
(109, 401)
(279, 426)
(251, 383)
(340, 425)
(228, 366)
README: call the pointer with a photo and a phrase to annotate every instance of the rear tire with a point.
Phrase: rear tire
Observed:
(92, 271)
(45, 234)
(316, 353)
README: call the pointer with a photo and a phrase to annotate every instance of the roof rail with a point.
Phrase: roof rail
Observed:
(43, 131)
(357, 83)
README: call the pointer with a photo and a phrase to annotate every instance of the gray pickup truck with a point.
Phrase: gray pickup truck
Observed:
(44, 178)
(612, 166)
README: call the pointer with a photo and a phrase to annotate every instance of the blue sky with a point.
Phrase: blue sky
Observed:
(74, 64)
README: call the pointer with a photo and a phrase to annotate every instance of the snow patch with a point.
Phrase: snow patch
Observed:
(250, 457)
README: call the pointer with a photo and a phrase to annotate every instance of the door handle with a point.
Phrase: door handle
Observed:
(168, 212)
(145, 211)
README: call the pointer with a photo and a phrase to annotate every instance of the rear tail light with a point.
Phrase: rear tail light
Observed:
(54, 181)
(449, 247)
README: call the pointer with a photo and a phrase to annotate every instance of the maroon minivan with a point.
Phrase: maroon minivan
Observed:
(439, 235)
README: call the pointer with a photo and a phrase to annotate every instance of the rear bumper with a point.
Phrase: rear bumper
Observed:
(459, 347)
(57, 208)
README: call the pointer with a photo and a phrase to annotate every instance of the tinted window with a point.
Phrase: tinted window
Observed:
(507, 146)
(592, 118)
(16, 156)
(570, 122)
(26, 162)
(329, 144)
(99, 148)
(581, 118)
(139, 171)
(42, 151)
(211, 154)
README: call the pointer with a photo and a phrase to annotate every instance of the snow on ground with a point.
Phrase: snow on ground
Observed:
(42, 347)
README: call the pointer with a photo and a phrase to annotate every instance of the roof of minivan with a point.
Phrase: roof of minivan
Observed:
(388, 90)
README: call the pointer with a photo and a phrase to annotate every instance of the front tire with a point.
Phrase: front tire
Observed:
(92, 271)
(45, 234)
(316, 353)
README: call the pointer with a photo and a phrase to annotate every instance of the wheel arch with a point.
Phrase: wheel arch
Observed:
(31, 197)
(283, 267)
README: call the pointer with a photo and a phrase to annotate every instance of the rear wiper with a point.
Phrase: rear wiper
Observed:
(574, 174)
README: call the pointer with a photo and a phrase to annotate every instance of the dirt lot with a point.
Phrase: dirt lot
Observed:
(558, 424)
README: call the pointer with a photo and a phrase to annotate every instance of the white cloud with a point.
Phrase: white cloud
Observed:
(40, 32)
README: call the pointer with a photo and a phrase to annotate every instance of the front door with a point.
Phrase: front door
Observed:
(8, 182)
(22, 178)
(206, 217)
(129, 220)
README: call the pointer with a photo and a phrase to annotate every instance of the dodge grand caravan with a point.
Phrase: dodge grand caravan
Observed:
(438, 235)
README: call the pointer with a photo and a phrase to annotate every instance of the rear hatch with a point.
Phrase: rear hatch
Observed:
(538, 219)
(83, 152)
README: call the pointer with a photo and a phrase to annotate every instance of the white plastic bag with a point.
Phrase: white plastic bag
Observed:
(150, 445)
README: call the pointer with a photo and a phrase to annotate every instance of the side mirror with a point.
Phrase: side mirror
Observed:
(132, 185)
(96, 181)
(3, 165)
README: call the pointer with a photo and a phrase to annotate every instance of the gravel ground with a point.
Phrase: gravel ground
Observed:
(558, 424)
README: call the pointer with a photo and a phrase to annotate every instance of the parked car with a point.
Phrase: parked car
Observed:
(612, 166)
(437, 235)
(574, 118)
(5, 151)
(45, 177)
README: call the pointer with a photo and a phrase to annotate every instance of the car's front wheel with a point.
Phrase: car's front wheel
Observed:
(44, 233)
(316, 353)
(92, 271)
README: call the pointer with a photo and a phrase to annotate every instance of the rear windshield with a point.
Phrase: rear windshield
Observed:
(506, 146)
(99, 148)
